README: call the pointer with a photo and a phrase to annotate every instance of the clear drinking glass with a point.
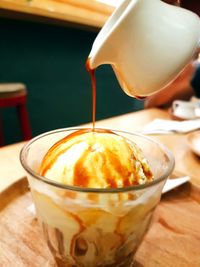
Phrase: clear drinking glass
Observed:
(94, 227)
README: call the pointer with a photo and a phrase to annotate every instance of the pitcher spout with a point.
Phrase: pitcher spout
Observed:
(104, 47)
(101, 55)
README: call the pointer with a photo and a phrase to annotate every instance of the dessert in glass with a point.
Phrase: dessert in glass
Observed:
(95, 192)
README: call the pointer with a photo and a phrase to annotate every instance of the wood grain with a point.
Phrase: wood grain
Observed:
(11, 169)
(21, 241)
(173, 239)
(83, 12)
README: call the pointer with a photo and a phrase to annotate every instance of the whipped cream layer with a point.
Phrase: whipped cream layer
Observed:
(96, 159)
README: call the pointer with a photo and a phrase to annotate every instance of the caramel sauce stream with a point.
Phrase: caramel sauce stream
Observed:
(94, 89)
(82, 177)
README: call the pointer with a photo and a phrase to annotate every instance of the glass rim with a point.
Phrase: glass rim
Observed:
(96, 190)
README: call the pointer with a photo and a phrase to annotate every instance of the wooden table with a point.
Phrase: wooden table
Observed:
(186, 161)
(174, 238)
(85, 13)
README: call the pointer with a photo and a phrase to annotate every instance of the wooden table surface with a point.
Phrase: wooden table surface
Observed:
(173, 239)
(186, 162)
(87, 13)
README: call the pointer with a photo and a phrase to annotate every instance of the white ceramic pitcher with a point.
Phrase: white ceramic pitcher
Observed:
(148, 43)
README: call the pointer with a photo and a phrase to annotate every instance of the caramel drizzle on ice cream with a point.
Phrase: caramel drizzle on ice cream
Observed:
(114, 169)
(111, 166)
(54, 152)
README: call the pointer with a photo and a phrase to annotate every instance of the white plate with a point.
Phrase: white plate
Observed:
(194, 142)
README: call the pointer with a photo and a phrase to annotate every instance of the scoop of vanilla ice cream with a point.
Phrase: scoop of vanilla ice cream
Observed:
(96, 159)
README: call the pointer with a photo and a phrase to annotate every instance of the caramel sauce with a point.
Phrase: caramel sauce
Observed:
(54, 152)
(79, 244)
(140, 97)
(94, 89)
(80, 247)
(111, 166)
(81, 175)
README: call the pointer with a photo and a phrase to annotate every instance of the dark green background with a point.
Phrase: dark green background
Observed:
(50, 60)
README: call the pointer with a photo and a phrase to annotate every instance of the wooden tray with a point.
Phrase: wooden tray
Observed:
(21, 240)
(173, 240)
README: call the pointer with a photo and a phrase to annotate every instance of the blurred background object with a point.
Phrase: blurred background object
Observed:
(15, 95)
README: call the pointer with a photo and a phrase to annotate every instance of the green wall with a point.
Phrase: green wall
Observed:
(50, 60)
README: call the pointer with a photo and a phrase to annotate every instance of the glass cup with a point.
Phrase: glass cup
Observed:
(89, 227)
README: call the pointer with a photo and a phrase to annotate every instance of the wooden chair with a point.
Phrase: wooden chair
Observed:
(15, 95)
